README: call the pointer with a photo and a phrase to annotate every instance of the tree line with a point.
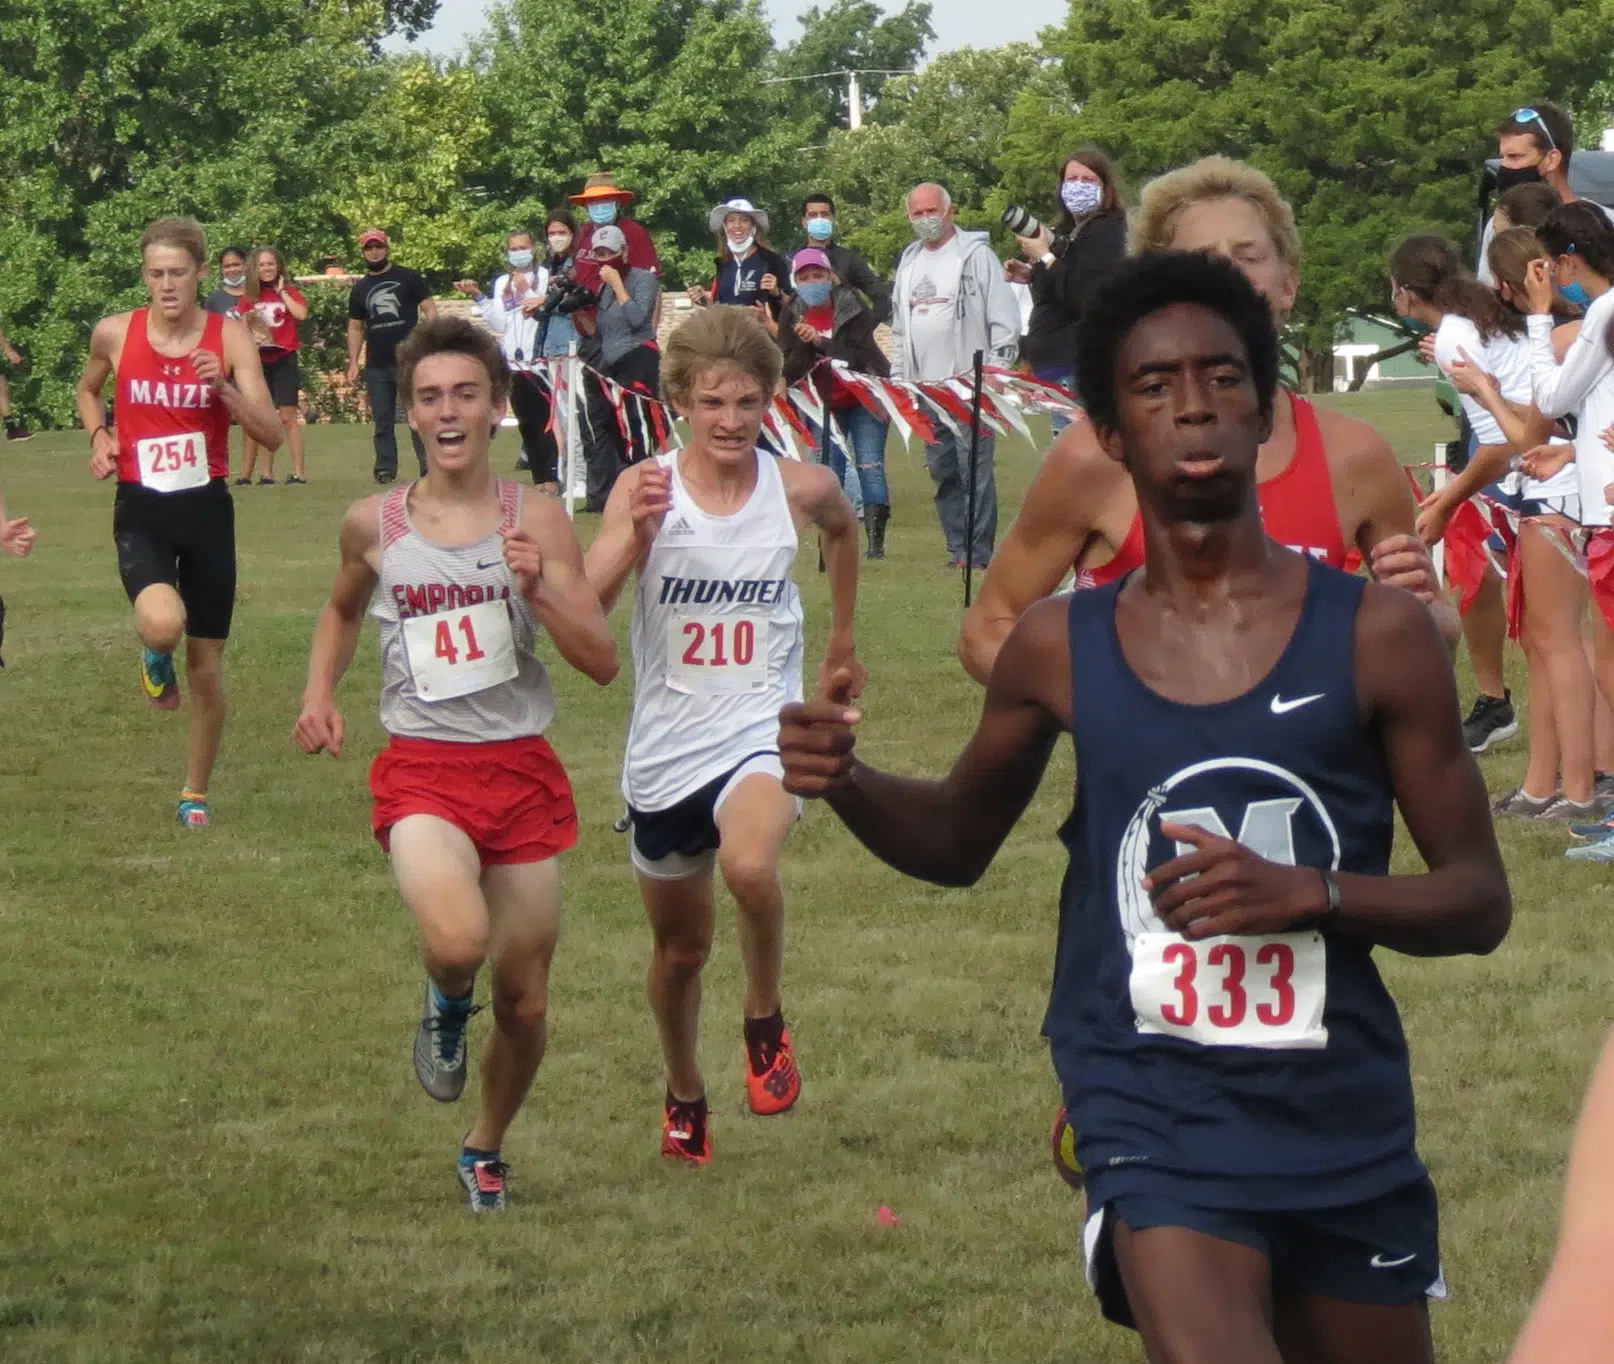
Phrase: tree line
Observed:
(291, 122)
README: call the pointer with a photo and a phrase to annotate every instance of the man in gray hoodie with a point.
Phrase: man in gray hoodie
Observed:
(950, 300)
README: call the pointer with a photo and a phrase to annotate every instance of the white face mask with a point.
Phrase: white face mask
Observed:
(739, 248)
(1080, 196)
(560, 244)
(235, 281)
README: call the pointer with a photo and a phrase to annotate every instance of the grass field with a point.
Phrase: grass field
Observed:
(215, 1150)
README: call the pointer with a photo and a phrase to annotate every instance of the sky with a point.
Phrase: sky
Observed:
(958, 23)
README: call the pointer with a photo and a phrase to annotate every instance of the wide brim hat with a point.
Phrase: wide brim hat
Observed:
(759, 215)
(600, 187)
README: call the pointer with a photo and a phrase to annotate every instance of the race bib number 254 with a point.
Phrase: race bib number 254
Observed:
(170, 464)
(1266, 991)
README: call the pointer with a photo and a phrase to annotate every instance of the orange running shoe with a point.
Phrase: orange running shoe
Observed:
(685, 1134)
(772, 1082)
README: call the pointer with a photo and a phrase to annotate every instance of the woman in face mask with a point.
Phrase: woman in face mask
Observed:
(226, 299)
(1061, 266)
(1548, 593)
(750, 273)
(824, 319)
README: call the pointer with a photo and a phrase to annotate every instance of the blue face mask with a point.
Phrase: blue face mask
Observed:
(1414, 326)
(820, 229)
(1574, 293)
(602, 213)
(519, 260)
(816, 294)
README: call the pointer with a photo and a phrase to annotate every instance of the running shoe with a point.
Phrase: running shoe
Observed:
(772, 1082)
(1563, 810)
(1601, 851)
(18, 430)
(1592, 831)
(685, 1132)
(1491, 721)
(482, 1176)
(157, 679)
(295, 478)
(440, 1045)
(265, 480)
(243, 482)
(1520, 802)
(193, 812)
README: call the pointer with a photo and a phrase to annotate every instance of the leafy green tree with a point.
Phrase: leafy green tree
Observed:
(1371, 115)
(853, 35)
(666, 94)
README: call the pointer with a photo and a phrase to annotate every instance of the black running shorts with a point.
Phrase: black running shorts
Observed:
(185, 539)
(283, 379)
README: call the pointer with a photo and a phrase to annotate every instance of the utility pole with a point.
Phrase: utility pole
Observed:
(854, 87)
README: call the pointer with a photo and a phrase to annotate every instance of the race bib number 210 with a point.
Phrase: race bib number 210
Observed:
(1266, 991)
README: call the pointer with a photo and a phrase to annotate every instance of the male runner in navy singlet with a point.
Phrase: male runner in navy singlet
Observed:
(1234, 1066)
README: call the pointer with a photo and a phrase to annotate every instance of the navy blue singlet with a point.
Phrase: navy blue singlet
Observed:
(1188, 1069)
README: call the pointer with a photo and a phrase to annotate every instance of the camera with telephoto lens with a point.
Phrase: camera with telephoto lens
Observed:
(1023, 223)
(567, 296)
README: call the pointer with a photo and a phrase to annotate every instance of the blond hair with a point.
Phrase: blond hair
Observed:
(719, 337)
(1165, 198)
(183, 234)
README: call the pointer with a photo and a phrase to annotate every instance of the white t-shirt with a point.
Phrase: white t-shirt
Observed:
(1507, 357)
(932, 300)
(1584, 385)
(1482, 267)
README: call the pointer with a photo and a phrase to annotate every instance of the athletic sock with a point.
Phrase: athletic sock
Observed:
(762, 1039)
(452, 1003)
(200, 797)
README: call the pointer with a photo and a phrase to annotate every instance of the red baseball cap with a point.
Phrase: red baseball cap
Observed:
(373, 234)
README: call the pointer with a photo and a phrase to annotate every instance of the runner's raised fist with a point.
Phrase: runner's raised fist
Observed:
(524, 559)
(319, 729)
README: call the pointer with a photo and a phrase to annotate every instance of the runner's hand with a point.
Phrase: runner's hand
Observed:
(524, 560)
(209, 368)
(17, 537)
(469, 287)
(104, 455)
(1433, 514)
(816, 740)
(650, 501)
(1222, 887)
(319, 728)
(842, 666)
(1404, 561)
(1544, 461)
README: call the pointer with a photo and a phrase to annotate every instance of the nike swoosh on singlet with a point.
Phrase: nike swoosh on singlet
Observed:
(491, 564)
(1282, 707)
(1379, 1262)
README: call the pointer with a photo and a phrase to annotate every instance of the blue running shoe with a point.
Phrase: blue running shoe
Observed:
(193, 812)
(440, 1045)
(1591, 831)
(157, 679)
(482, 1176)
(1601, 851)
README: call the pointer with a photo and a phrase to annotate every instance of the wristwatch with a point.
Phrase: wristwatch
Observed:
(1047, 258)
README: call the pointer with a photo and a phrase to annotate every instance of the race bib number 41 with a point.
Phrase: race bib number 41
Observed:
(715, 655)
(170, 464)
(1232, 992)
(455, 653)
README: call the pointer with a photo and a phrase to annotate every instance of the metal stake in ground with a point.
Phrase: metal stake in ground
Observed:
(975, 454)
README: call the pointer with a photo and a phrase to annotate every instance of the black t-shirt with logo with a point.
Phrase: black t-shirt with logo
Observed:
(388, 303)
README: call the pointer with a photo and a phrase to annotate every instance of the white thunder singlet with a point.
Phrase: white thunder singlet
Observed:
(717, 641)
(457, 639)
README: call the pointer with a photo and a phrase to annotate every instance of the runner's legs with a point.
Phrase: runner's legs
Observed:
(681, 914)
(754, 820)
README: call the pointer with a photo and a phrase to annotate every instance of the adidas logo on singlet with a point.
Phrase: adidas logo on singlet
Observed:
(680, 527)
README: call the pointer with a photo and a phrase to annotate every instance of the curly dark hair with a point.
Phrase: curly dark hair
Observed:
(1136, 288)
(454, 336)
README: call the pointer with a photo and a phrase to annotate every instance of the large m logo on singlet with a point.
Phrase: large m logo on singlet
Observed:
(1267, 829)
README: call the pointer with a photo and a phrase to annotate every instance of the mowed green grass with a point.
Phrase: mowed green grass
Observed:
(213, 1147)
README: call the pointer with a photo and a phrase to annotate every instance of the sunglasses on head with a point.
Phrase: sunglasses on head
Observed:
(1534, 116)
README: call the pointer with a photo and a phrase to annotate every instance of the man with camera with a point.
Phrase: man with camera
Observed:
(949, 301)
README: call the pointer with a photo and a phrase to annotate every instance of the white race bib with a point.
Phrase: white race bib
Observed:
(455, 653)
(170, 464)
(1266, 991)
(710, 655)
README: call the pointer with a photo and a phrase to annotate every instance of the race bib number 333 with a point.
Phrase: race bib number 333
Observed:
(455, 653)
(170, 464)
(1265, 991)
(713, 655)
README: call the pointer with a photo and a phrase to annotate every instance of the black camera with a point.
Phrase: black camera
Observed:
(566, 296)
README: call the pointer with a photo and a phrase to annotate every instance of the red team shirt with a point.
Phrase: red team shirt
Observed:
(1297, 508)
(271, 308)
(161, 403)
